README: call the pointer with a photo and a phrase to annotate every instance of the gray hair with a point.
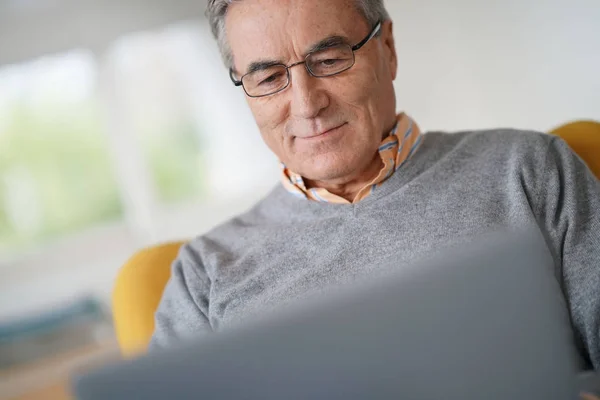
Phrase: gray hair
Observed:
(373, 10)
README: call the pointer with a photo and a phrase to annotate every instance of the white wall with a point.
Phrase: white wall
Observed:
(463, 63)
(513, 63)
(30, 28)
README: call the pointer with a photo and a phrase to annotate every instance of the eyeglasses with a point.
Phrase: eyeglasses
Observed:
(272, 79)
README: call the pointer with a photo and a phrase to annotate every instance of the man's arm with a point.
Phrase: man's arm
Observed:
(569, 213)
(183, 309)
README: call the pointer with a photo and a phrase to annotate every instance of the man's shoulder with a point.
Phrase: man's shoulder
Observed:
(500, 145)
(490, 157)
(502, 137)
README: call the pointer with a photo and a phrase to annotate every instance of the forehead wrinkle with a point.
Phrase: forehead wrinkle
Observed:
(289, 47)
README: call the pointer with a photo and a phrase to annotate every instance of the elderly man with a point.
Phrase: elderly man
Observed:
(361, 183)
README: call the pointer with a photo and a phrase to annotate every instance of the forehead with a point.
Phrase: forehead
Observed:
(282, 30)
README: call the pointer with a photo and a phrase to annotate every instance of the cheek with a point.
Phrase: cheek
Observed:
(356, 89)
(270, 117)
(369, 95)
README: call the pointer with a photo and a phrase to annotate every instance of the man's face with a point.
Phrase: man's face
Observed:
(325, 129)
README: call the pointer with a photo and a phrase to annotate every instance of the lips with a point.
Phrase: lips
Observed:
(324, 132)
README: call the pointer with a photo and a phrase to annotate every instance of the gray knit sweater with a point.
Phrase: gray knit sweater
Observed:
(456, 187)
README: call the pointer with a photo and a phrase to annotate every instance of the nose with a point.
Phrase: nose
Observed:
(308, 97)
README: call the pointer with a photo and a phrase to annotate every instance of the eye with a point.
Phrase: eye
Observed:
(330, 62)
(271, 79)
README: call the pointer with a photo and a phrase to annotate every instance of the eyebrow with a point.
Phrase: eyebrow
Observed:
(260, 65)
(324, 44)
(327, 43)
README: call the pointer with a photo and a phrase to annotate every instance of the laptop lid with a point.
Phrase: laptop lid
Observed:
(485, 322)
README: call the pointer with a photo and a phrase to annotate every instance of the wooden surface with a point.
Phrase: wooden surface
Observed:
(49, 379)
(57, 391)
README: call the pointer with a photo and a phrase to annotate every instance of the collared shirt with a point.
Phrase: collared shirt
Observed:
(395, 150)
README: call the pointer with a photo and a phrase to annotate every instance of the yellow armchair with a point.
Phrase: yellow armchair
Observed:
(584, 138)
(137, 292)
(141, 281)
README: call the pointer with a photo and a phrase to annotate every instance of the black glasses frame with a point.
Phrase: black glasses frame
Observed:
(354, 49)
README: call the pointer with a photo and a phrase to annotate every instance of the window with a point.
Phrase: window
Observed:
(154, 95)
(143, 140)
(55, 167)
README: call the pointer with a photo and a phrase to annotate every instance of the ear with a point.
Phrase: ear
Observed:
(389, 47)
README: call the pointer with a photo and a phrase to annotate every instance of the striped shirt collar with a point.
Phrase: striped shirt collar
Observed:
(395, 150)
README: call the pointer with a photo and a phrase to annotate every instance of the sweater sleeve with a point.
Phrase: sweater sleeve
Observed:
(183, 309)
(569, 212)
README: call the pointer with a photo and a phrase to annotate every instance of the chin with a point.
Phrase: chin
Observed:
(328, 169)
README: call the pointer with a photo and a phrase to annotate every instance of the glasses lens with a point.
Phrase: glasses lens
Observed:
(266, 81)
(331, 61)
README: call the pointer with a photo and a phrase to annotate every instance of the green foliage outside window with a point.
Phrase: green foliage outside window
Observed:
(56, 174)
(175, 163)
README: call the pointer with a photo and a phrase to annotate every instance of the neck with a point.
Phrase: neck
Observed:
(349, 188)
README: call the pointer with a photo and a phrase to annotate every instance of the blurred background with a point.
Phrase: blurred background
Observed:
(119, 129)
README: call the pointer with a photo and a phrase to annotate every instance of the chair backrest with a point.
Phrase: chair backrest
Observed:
(137, 293)
(584, 138)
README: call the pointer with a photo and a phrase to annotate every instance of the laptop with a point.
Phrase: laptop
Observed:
(487, 321)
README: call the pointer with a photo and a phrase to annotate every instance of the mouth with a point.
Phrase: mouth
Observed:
(325, 134)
